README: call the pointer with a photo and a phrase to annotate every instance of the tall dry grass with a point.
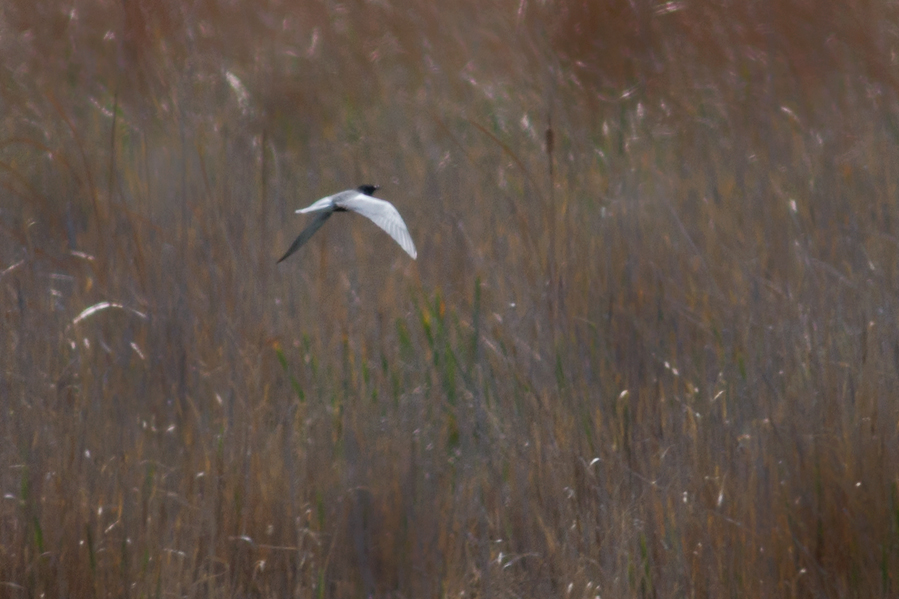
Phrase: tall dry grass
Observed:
(649, 348)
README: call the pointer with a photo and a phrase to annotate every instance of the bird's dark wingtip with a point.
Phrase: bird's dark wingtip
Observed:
(294, 247)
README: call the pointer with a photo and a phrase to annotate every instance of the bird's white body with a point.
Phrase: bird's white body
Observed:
(359, 200)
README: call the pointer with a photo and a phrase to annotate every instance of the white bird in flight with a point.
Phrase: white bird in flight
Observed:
(357, 200)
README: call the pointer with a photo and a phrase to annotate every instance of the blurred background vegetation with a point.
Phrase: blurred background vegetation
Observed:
(649, 348)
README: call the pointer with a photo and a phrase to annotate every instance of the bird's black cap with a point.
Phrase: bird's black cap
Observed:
(368, 190)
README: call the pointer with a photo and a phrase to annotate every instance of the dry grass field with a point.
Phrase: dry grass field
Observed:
(650, 346)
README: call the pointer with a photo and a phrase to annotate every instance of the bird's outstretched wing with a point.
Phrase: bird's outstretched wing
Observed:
(308, 232)
(384, 215)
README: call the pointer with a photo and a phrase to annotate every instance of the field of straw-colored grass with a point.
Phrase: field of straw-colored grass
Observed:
(649, 348)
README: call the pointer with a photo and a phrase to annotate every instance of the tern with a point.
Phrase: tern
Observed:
(361, 201)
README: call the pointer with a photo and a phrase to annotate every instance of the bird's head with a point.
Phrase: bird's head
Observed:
(368, 190)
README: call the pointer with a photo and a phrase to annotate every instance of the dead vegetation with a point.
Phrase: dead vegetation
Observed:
(649, 347)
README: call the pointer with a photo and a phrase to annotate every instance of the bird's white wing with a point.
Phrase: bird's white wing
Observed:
(384, 215)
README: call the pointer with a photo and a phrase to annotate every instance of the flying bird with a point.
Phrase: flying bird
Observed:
(361, 201)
